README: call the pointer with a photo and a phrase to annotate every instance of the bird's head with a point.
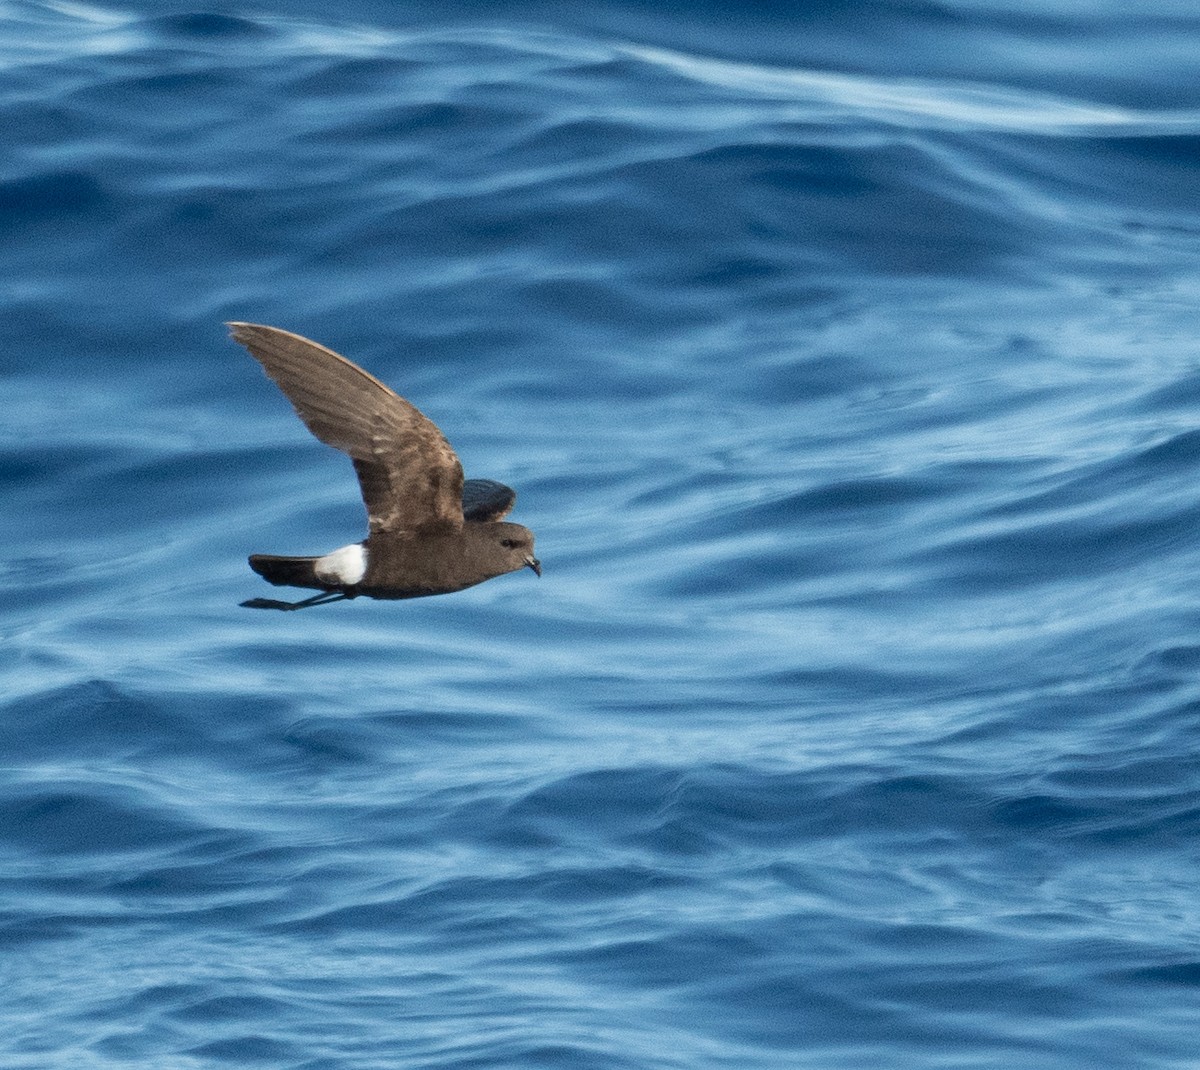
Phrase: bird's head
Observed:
(516, 546)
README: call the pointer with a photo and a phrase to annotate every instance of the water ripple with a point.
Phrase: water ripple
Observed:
(844, 366)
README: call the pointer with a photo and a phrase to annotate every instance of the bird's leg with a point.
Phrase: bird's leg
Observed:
(317, 600)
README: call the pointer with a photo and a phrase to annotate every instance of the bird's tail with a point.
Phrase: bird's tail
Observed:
(287, 571)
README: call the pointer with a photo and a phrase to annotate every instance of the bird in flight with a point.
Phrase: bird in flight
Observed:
(429, 531)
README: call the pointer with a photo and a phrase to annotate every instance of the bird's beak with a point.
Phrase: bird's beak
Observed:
(534, 564)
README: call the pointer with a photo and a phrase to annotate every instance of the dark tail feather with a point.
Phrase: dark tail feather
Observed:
(287, 571)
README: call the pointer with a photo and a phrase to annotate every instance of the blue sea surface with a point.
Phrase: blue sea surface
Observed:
(844, 358)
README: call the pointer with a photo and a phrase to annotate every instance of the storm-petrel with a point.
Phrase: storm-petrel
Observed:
(429, 531)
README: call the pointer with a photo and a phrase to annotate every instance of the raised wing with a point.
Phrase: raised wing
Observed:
(411, 479)
(485, 499)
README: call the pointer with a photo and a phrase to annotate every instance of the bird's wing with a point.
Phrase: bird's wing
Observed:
(485, 499)
(410, 477)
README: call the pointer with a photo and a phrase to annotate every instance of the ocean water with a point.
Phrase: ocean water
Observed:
(845, 361)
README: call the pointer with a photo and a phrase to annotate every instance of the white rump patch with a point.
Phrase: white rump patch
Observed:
(347, 565)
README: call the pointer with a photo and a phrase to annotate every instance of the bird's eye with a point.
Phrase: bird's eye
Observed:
(509, 543)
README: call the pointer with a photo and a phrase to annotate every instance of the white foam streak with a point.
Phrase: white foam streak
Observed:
(919, 103)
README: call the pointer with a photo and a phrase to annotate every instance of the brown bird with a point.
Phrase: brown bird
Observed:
(428, 530)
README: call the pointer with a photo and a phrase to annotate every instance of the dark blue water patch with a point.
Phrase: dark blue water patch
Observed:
(96, 715)
(580, 140)
(248, 1048)
(1165, 821)
(1040, 813)
(810, 378)
(797, 169)
(1086, 517)
(681, 959)
(1041, 551)
(745, 573)
(1180, 152)
(207, 887)
(26, 465)
(118, 723)
(794, 688)
(422, 727)
(638, 795)
(1181, 393)
(476, 911)
(449, 908)
(200, 482)
(88, 818)
(1134, 469)
(1181, 449)
(205, 26)
(580, 1056)
(506, 1053)
(695, 813)
(1100, 170)
(50, 199)
(20, 931)
(1177, 662)
(366, 77)
(803, 517)
(585, 302)
(209, 221)
(388, 133)
(227, 1008)
(828, 530)
(42, 124)
(1182, 974)
(960, 973)
(327, 745)
(757, 269)
(846, 501)
(206, 92)
(886, 208)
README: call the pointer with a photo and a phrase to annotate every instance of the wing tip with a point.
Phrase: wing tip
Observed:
(240, 331)
(259, 338)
